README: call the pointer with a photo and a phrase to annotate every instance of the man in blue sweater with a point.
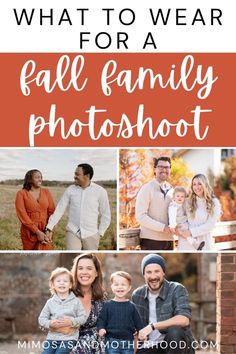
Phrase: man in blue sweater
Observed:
(165, 311)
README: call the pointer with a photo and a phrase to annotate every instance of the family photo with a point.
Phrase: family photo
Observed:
(177, 199)
(58, 199)
(107, 303)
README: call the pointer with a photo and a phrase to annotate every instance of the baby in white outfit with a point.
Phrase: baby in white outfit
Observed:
(178, 217)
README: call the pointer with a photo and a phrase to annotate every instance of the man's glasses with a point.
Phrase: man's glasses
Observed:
(163, 167)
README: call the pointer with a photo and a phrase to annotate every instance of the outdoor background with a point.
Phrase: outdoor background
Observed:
(136, 169)
(24, 288)
(57, 167)
(219, 165)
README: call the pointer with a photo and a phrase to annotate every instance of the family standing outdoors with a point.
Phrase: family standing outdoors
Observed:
(80, 319)
(87, 202)
(163, 212)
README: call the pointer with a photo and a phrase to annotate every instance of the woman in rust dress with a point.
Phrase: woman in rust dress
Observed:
(34, 205)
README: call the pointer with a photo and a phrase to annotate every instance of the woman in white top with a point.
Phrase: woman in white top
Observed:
(203, 211)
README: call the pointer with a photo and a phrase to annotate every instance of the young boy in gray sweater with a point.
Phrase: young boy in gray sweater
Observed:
(62, 306)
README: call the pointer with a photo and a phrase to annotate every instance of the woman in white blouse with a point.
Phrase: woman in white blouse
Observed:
(203, 211)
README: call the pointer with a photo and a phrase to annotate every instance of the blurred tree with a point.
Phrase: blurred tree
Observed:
(230, 173)
(180, 173)
(134, 171)
(225, 189)
(182, 267)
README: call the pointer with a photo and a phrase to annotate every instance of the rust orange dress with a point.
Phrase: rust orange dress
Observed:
(33, 215)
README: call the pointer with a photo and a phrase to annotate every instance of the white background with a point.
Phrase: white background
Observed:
(169, 38)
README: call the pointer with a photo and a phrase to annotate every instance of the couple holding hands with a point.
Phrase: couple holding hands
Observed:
(86, 200)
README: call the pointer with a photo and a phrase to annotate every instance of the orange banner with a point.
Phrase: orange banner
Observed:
(112, 99)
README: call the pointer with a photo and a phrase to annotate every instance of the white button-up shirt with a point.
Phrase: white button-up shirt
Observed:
(85, 205)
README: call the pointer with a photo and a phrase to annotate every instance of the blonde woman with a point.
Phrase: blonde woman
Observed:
(203, 211)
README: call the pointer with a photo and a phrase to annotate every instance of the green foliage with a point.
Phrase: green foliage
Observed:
(224, 182)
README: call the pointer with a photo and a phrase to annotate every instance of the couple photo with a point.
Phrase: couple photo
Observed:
(38, 215)
(173, 202)
(46, 211)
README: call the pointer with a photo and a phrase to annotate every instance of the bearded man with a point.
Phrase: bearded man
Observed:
(164, 308)
(151, 209)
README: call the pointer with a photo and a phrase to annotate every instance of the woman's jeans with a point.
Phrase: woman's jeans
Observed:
(119, 346)
(58, 346)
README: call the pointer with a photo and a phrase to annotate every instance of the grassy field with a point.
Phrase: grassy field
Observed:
(10, 225)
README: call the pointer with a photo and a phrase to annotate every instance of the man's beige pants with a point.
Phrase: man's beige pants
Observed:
(90, 243)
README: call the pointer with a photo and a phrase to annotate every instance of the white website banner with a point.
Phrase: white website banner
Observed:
(118, 26)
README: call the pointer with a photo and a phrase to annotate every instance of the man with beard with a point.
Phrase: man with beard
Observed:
(152, 205)
(86, 200)
(164, 309)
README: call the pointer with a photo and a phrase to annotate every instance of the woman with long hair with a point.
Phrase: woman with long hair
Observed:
(88, 287)
(203, 211)
(34, 205)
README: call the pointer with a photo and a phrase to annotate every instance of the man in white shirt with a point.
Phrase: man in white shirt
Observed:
(86, 201)
(151, 210)
(165, 311)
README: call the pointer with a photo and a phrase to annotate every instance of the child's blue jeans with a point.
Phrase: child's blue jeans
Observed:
(119, 346)
(58, 346)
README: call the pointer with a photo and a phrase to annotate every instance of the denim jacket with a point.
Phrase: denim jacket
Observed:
(172, 301)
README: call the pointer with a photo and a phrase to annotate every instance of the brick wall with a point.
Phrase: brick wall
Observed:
(24, 289)
(226, 303)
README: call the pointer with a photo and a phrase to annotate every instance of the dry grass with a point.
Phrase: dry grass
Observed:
(10, 225)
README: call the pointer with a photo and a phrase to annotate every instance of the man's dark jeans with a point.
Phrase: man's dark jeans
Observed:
(176, 341)
(152, 245)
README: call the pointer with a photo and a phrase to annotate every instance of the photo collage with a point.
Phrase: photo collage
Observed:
(117, 177)
(106, 250)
